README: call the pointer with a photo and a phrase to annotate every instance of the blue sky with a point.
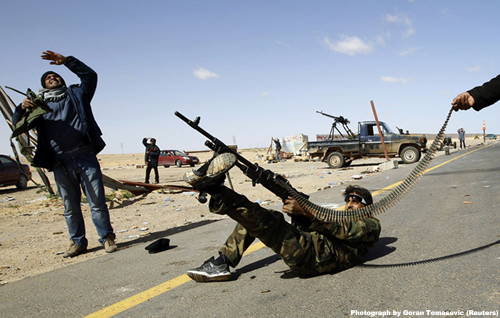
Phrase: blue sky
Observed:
(253, 70)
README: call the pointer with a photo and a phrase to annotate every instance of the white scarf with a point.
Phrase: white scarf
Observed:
(54, 94)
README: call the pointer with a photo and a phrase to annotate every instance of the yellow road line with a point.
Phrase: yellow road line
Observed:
(140, 298)
(180, 280)
(153, 292)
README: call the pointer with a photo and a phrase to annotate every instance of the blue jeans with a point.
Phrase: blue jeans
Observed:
(82, 169)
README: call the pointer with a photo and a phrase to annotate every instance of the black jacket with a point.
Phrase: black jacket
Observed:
(486, 94)
(152, 152)
(80, 96)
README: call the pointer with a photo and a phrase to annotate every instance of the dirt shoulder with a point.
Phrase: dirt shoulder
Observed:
(33, 233)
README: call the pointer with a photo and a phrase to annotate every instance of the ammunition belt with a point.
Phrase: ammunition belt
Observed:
(346, 216)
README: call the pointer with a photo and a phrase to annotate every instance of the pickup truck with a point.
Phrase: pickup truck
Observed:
(367, 143)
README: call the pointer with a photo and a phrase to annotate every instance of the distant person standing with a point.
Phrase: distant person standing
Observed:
(151, 158)
(278, 149)
(479, 97)
(461, 137)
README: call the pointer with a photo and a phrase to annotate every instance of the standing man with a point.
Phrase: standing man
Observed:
(479, 97)
(278, 149)
(461, 137)
(325, 247)
(151, 158)
(68, 141)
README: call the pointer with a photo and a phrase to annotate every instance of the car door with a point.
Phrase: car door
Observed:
(166, 158)
(9, 171)
(372, 144)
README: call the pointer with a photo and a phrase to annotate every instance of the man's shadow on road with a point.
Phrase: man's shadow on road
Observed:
(381, 249)
(255, 265)
(155, 236)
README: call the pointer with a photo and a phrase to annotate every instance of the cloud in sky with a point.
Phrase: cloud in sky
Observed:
(350, 45)
(288, 46)
(264, 94)
(401, 18)
(391, 79)
(474, 69)
(409, 51)
(204, 74)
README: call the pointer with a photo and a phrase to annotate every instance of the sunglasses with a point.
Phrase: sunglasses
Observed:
(355, 198)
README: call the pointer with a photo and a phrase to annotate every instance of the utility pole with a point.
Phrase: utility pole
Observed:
(484, 131)
(380, 131)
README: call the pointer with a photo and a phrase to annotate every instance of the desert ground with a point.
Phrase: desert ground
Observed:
(33, 233)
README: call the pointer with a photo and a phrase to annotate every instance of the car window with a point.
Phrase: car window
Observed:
(178, 153)
(7, 161)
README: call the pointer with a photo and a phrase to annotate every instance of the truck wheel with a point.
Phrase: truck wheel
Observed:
(335, 160)
(410, 155)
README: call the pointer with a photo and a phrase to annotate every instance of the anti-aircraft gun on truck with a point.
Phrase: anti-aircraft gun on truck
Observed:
(366, 143)
(338, 120)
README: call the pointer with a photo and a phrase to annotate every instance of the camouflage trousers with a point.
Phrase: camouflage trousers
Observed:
(306, 253)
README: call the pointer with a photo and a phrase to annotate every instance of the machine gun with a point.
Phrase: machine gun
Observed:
(338, 120)
(269, 180)
(39, 101)
(23, 126)
(29, 118)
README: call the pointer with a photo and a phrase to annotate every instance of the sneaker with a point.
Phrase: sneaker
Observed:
(210, 272)
(214, 174)
(74, 250)
(109, 244)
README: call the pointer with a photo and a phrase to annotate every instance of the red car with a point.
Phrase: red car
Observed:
(175, 157)
(10, 174)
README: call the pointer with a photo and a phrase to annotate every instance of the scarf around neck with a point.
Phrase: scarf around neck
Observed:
(54, 94)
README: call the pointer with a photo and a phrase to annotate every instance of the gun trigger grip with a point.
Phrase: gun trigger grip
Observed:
(202, 197)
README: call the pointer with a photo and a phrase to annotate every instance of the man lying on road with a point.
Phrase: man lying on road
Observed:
(324, 247)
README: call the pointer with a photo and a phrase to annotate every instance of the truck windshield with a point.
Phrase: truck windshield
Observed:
(385, 129)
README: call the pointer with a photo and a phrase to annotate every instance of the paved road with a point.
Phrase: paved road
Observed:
(437, 252)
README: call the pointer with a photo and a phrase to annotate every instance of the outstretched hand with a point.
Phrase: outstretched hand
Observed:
(56, 58)
(463, 101)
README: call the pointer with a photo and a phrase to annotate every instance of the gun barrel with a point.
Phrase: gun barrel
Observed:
(195, 125)
(327, 115)
(15, 90)
(212, 142)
